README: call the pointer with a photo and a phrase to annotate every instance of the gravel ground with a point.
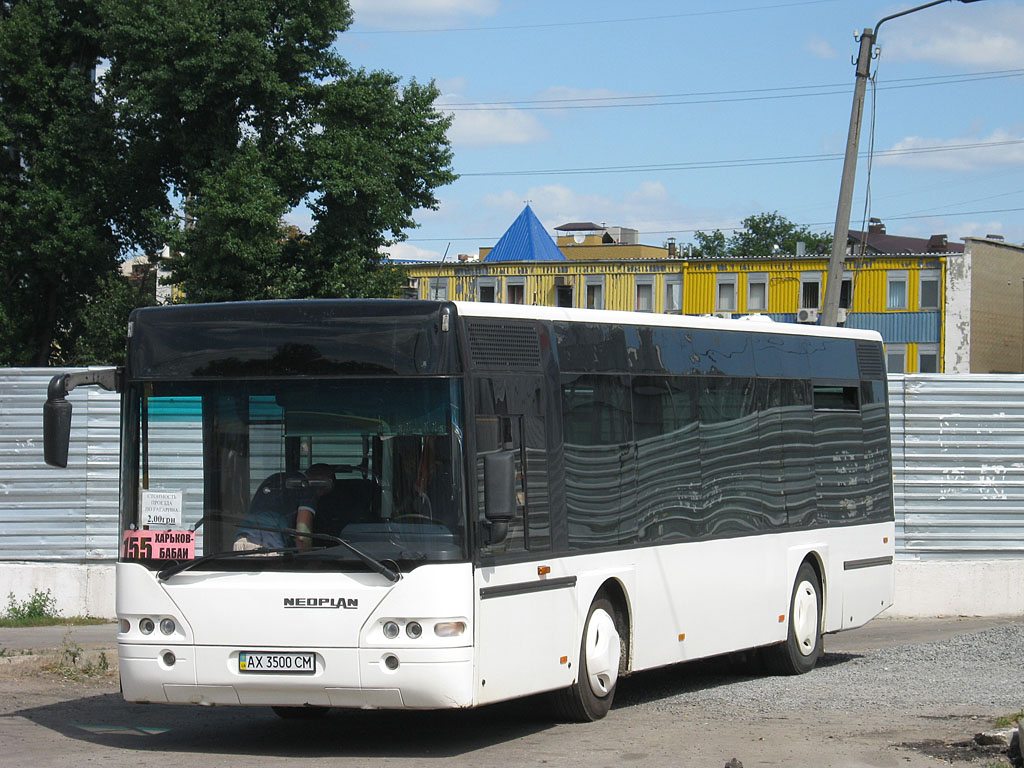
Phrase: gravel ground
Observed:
(979, 672)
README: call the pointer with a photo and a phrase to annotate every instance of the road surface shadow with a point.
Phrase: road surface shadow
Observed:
(109, 721)
(704, 674)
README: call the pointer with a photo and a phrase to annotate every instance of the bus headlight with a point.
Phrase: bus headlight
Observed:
(414, 630)
(391, 630)
(146, 626)
(167, 626)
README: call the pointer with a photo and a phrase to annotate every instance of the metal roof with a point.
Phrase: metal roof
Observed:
(525, 240)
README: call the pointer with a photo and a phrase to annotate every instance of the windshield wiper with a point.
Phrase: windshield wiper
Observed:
(391, 574)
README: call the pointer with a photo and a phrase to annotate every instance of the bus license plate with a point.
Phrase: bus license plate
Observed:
(269, 662)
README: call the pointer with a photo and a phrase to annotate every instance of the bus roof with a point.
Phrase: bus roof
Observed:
(751, 323)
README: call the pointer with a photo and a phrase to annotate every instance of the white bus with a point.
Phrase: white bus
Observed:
(504, 500)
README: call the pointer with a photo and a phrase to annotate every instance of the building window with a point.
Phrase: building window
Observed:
(896, 358)
(930, 288)
(645, 294)
(487, 289)
(594, 289)
(928, 358)
(757, 292)
(810, 290)
(674, 294)
(515, 291)
(725, 293)
(437, 289)
(897, 291)
(563, 296)
(846, 293)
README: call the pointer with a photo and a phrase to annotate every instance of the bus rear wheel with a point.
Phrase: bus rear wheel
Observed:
(590, 697)
(800, 652)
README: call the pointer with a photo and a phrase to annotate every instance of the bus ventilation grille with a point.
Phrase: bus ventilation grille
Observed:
(504, 345)
(869, 360)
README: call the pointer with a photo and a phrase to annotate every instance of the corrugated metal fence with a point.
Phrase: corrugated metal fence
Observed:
(958, 461)
(958, 456)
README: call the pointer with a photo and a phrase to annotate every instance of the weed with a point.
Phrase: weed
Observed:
(39, 605)
(40, 610)
(74, 664)
(1007, 721)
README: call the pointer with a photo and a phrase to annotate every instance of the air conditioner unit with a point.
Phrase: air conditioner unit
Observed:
(807, 316)
(841, 317)
(724, 315)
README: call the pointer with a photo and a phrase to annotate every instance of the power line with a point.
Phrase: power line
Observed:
(720, 97)
(592, 22)
(576, 99)
(810, 225)
(738, 163)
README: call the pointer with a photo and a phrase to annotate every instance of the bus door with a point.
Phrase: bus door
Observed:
(526, 623)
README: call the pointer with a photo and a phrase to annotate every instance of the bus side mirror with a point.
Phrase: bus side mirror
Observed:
(56, 423)
(499, 493)
(57, 409)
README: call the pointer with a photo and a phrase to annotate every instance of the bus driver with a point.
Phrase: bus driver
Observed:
(284, 500)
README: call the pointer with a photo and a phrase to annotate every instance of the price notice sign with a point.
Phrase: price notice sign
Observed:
(159, 545)
(161, 508)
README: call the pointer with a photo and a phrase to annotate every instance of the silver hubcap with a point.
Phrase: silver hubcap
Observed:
(602, 650)
(805, 617)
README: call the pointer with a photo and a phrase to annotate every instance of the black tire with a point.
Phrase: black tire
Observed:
(301, 713)
(590, 697)
(802, 648)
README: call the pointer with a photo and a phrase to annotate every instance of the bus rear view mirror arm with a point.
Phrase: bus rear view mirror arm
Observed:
(499, 492)
(57, 409)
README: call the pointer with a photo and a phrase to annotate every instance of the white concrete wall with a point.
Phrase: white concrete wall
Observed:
(924, 588)
(957, 331)
(80, 590)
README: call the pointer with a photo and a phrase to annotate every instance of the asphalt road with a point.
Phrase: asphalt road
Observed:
(49, 720)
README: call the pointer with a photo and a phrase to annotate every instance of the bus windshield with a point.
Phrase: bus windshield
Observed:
(239, 469)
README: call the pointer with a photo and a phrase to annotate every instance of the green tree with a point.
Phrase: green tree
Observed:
(710, 246)
(760, 235)
(251, 113)
(233, 113)
(67, 203)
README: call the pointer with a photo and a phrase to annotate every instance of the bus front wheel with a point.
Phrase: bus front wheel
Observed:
(800, 652)
(590, 697)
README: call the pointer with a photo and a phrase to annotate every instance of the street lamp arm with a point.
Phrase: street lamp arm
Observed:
(912, 10)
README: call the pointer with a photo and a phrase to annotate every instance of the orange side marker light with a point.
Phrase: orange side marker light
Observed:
(543, 570)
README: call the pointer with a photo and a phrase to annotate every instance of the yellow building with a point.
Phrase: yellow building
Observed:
(902, 297)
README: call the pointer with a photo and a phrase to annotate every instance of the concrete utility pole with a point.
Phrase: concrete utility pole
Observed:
(834, 282)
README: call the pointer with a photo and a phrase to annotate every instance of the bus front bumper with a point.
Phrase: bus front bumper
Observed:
(366, 678)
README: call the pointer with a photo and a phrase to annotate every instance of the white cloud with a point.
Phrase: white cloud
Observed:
(408, 252)
(976, 35)
(927, 153)
(820, 48)
(648, 207)
(411, 14)
(491, 127)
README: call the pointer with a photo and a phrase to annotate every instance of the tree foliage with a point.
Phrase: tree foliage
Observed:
(761, 235)
(209, 122)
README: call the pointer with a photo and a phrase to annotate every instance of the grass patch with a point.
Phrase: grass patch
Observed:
(39, 610)
(1009, 720)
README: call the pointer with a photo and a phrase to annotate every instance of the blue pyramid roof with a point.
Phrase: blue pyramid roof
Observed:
(525, 240)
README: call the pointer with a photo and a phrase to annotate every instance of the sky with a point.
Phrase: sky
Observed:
(671, 117)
